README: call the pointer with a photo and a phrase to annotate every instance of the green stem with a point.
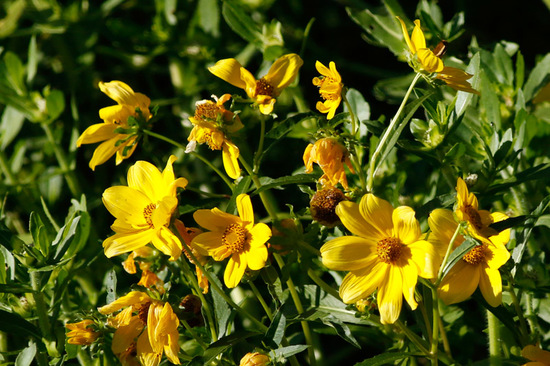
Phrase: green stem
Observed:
(300, 309)
(322, 284)
(203, 159)
(493, 329)
(412, 337)
(351, 113)
(389, 131)
(447, 255)
(522, 323)
(194, 334)
(259, 152)
(263, 196)
(435, 327)
(5, 167)
(261, 300)
(68, 173)
(42, 313)
(355, 155)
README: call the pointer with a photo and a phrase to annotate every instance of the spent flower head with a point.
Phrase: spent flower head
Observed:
(265, 90)
(330, 88)
(385, 253)
(122, 124)
(331, 155)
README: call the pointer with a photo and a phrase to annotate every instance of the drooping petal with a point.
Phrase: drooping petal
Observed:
(405, 225)
(234, 270)
(230, 155)
(498, 256)
(503, 237)
(266, 104)
(378, 213)
(105, 150)
(426, 257)
(348, 253)
(96, 133)
(409, 274)
(125, 334)
(351, 218)
(122, 94)
(124, 243)
(229, 70)
(284, 70)
(430, 62)
(360, 284)
(209, 241)
(443, 226)
(390, 296)
(490, 285)
(215, 219)
(460, 283)
(167, 243)
(534, 353)
(308, 159)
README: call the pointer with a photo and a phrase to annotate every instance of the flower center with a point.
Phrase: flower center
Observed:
(207, 111)
(389, 250)
(476, 255)
(148, 213)
(143, 311)
(234, 238)
(323, 206)
(473, 217)
(264, 88)
(328, 83)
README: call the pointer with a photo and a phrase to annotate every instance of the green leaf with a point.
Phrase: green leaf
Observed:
(241, 23)
(242, 187)
(64, 238)
(503, 64)
(520, 71)
(15, 288)
(55, 104)
(209, 16)
(457, 254)
(282, 128)
(221, 310)
(489, 101)
(39, 234)
(341, 329)
(10, 125)
(15, 325)
(463, 99)
(537, 78)
(221, 345)
(15, 72)
(387, 358)
(285, 352)
(269, 183)
(32, 63)
(26, 356)
(276, 331)
(110, 283)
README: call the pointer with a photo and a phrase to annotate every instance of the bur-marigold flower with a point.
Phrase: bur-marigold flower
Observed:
(467, 209)
(479, 267)
(386, 253)
(146, 328)
(143, 210)
(331, 156)
(535, 354)
(212, 122)
(330, 88)
(82, 333)
(265, 90)
(116, 117)
(254, 359)
(425, 60)
(236, 237)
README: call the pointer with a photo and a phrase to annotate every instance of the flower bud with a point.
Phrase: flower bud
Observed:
(254, 359)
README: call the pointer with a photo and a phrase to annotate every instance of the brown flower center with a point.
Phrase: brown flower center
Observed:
(264, 88)
(476, 255)
(389, 250)
(473, 217)
(148, 213)
(143, 311)
(207, 111)
(328, 82)
(234, 238)
(323, 206)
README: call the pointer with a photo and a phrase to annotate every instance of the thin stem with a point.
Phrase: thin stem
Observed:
(352, 115)
(322, 284)
(261, 300)
(412, 337)
(389, 131)
(194, 334)
(435, 326)
(444, 339)
(69, 175)
(522, 323)
(42, 313)
(203, 159)
(300, 309)
(493, 329)
(263, 196)
(259, 152)
(447, 254)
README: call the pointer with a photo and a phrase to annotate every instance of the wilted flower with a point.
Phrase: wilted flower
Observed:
(330, 88)
(143, 210)
(121, 124)
(265, 90)
(145, 329)
(82, 333)
(386, 253)
(331, 156)
(479, 267)
(323, 206)
(233, 236)
(212, 122)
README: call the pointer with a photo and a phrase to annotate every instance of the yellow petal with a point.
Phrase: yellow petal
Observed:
(163, 212)
(406, 36)
(145, 177)
(230, 154)
(308, 159)
(132, 298)
(284, 70)
(351, 218)
(249, 82)
(124, 243)
(256, 257)
(490, 285)
(417, 36)
(360, 284)
(266, 104)
(118, 91)
(463, 197)
(499, 256)
(460, 283)
(534, 353)
(229, 70)
(378, 213)
(348, 253)
(167, 243)
(96, 133)
(124, 335)
(405, 225)
(127, 204)
(390, 296)
(429, 61)
(210, 241)
(443, 226)
(116, 114)
(244, 207)
(234, 270)
(503, 237)
(259, 235)
(426, 257)
(215, 219)
(409, 273)
(104, 151)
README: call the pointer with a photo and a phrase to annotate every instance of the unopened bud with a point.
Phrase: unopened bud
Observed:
(254, 359)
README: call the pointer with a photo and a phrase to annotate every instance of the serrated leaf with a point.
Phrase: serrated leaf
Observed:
(537, 78)
(285, 352)
(289, 179)
(387, 358)
(276, 331)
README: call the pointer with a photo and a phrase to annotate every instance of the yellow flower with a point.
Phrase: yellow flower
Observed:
(145, 328)
(254, 359)
(212, 122)
(330, 88)
(534, 353)
(479, 267)
(130, 104)
(81, 333)
(331, 156)
(265, 90)
(233, 236)
(385, 253)
(467, 209)
(431, 62)
(143, 210)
